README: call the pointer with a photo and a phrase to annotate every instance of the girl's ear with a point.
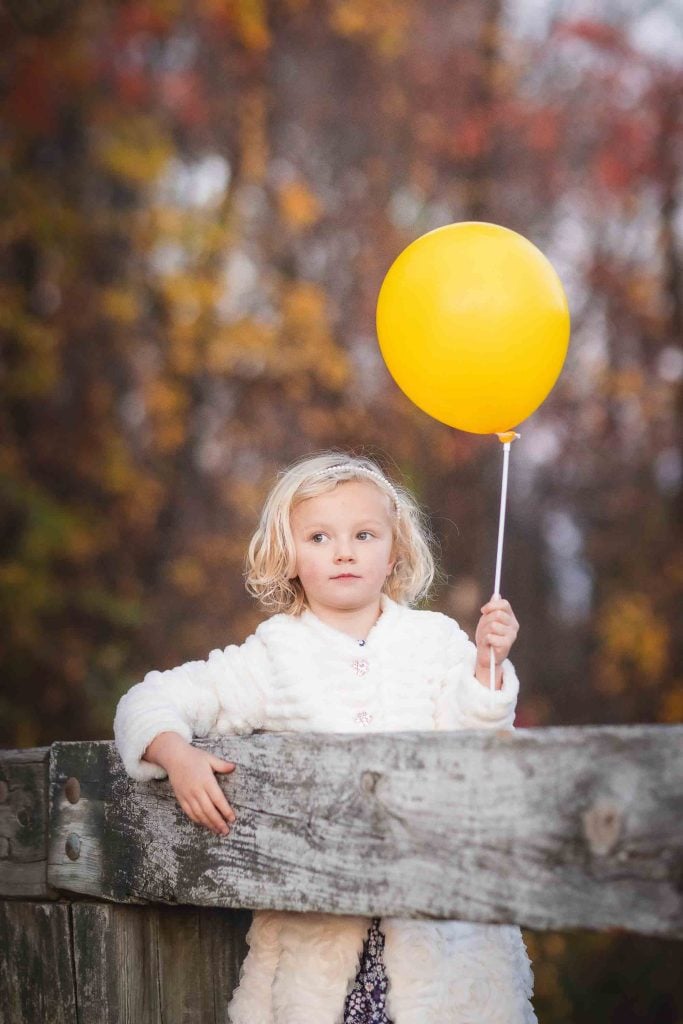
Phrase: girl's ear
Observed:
(290, 571)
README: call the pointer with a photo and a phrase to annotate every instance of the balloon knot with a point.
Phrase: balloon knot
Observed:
(507, 436)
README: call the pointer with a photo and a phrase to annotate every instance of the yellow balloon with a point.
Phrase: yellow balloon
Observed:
(473, 324)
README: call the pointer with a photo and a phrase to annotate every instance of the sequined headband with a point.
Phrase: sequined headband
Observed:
(361, 471)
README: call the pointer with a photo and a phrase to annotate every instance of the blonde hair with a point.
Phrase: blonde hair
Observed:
(271, 555)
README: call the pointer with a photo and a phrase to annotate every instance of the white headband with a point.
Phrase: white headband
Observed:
(352, 470)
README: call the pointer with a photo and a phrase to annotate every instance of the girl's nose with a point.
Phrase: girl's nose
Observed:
(343, 554)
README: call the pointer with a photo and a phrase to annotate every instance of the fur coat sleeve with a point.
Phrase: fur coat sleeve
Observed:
(463, 702)
(225, 693)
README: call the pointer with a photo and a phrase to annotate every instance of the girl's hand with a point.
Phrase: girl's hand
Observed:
(497, 629)
(190, 772)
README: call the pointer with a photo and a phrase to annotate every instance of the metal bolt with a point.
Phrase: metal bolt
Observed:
(72, 790)
(24, 817)
(4, 791)
(73, 846)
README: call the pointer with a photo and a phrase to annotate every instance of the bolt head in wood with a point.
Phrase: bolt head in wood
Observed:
(73, 846)
(72, 790)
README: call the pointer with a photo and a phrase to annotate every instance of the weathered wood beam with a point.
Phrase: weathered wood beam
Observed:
(551, 828)
(99, 963)
(36, 980)
(23, 823)
(157, 965)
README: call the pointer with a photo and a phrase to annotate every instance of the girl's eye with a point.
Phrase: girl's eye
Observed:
(318, 538)
(364, 534)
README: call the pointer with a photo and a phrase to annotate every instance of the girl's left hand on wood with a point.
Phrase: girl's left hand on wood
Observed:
(497, 628)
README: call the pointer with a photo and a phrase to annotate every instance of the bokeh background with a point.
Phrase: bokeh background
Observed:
(199, 203)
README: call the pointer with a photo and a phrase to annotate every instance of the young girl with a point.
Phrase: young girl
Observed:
(340, 555)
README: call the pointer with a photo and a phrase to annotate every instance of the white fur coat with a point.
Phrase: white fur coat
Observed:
(297, 674)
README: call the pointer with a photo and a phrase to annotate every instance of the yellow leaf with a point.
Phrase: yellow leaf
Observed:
(187, 575)
(385, 23)
(298, 205)
(120, 304)
(671, 709)
(135, 149)
(632, 635)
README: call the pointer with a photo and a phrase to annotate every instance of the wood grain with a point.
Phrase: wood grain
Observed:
(36, 981)
(548, 829)
(157, 965)
(23, 823)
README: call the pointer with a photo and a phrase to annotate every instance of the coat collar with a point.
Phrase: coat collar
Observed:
(390, 611)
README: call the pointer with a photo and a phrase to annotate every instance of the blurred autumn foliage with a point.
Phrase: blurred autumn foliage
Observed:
(199, 202)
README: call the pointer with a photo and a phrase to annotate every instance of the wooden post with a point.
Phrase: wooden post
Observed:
(23, 823)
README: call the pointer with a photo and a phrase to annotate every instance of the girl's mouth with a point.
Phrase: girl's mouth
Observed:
(346, 576)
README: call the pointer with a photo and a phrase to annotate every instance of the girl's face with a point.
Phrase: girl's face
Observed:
(343, 541)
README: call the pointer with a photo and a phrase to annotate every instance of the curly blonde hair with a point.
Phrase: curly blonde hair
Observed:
(271, 554)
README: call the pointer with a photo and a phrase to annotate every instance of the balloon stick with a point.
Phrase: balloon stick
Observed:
(506, 438)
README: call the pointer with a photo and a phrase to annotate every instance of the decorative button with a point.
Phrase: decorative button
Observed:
(360, 667)
(363, 718)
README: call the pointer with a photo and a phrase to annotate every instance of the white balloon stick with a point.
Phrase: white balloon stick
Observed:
(506, 438)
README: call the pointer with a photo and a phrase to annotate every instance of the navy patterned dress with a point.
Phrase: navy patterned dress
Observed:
(365, 1002)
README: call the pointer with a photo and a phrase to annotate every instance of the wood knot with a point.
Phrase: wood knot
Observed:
(369, 780)
(602, 826)
(24, 817)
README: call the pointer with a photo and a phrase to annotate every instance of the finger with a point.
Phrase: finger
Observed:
(494, 629)
(503, 625)
(219, 765)
(216, 822)
(500, 629)
(496, 615)
(218, 797)
(213, 802)
(192, 813)
(201, 817)
(185, 808)
(495, 604)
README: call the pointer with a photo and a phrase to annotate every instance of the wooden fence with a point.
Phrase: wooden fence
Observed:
(115, 907)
